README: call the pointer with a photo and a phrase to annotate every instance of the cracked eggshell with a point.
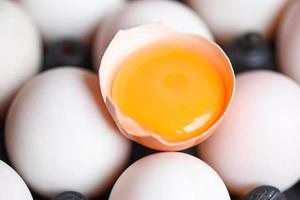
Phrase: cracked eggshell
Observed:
(128, 42)
(12, 187)
(20, 51)
(288, 42)
(60, 137)
(136, 13)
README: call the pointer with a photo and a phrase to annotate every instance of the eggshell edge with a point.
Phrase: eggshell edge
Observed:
(116, 52)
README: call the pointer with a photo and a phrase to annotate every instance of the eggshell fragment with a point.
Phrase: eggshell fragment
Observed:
(63, 19)
(12, 187)
(136, 13)
(258, 141)
(59, 135)
(127, 42)
(169, 176)
(20, 51)
(229, 19)
(288, 42)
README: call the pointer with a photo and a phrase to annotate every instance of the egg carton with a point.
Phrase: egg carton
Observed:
(80, 56)
(263, 54)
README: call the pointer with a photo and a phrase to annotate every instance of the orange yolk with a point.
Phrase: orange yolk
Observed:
(170, 90)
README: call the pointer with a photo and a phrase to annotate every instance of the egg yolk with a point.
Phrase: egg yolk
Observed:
(170, 90)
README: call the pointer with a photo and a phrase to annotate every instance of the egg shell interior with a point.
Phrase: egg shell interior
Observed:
(120, 49)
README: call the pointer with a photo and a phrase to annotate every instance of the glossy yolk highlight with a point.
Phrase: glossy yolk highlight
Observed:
(172, 91)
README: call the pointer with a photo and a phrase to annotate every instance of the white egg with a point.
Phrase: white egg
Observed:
(59, 135)
(258, 142)
(288, 42)
(60, 19)
(12, 187)
(169, 176)
(20, 51)
(174, 14)
(231, 18)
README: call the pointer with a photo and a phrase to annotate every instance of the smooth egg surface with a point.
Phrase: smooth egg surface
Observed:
(60, 137)
(258, 141)
(12, 187)
(20, 51)
(169, 176)
(61, 19)
(229, 19)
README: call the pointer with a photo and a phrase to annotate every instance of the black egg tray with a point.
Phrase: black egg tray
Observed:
(80, 55)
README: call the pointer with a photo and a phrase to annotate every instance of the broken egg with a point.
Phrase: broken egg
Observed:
(165, 90)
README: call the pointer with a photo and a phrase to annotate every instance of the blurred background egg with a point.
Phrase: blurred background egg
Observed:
(136, 13)
(59, 135)
(288, 42)
(12, 187)
(231, 18)
(258, 142)
(20, 51)
(61, 19)
(173, 176)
